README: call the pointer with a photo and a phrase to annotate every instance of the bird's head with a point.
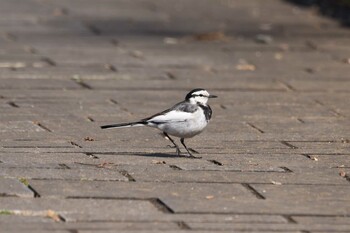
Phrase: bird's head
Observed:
(199, 95)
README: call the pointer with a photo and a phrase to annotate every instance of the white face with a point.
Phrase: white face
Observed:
(201, 97)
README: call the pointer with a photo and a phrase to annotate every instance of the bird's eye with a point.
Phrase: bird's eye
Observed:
(200, 95)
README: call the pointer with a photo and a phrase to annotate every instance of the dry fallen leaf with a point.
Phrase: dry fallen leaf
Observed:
(158, 162)
(89, 139)
(347, 60)
(53, 215)
(60, 12)
(110, 67)
(12, 65)
(208, 68)
(284, 47)
(105, 165)
(29, 49)
(170, 40)
(342, 173)
(276, 182)
(264, 39)
(245, 67)
(137, 54)
(345, 140)
(278, 56)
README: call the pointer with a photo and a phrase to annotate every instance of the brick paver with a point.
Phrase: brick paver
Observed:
(276, 156)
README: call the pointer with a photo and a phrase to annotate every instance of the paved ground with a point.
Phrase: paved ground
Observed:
(275, 156)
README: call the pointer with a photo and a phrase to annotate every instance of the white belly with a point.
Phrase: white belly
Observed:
(186, 128)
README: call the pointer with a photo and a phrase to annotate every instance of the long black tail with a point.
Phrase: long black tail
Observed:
(125, 125)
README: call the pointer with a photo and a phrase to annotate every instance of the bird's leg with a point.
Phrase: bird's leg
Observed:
(182, 140)
(176, 146)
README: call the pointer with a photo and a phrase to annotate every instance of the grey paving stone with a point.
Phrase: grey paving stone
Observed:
(128, 226)
(19, 61)
(73, 210)
(14, 220)
(229, 218)
(78, 172)
(339, 220)
(37, 230)
(20, 8)
(42, 160)
(131, 190)
(244, 162)
(281, 111)
(36, 143)
(201, 179)
(312, 192)
(257, 162)
(322, 147)
(269, 227)
(20, 126)
(13, 187)
(91, 71)
(309, 207)
(299, 128)
(329, 160)
(160, 84)
(38, 84)
(93, 226)
(329, 86)
(111, 227)
(180, 231)
(305, 177)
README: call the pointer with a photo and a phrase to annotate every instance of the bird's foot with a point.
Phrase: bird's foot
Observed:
(191, 156)
(193, 150)
(178, 152)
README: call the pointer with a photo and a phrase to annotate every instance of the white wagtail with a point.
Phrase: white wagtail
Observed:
(184, 120)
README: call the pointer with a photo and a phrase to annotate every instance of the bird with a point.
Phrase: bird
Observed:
(185, 119)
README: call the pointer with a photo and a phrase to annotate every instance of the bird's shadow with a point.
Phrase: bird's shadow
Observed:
(163, 155)
(157, 155)
(160, 155)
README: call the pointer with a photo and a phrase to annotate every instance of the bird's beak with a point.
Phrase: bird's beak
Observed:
(213, 96)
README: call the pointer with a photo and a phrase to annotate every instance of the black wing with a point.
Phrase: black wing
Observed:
(183, 106)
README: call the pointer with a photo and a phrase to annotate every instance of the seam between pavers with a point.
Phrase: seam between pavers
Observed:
(192, 182)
